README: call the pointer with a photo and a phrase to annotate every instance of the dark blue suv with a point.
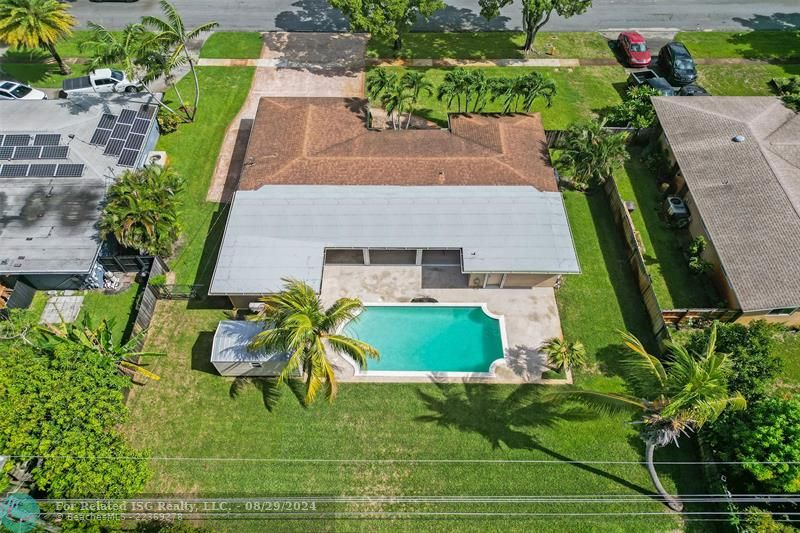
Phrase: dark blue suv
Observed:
(677, 64)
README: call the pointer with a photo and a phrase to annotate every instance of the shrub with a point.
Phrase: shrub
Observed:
(697, 264)
(636, 110)
(766, 440)
(750, 347)
(590, 153)
(167, 122)
(760, 521)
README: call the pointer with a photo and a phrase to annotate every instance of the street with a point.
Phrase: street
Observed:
(299, 15)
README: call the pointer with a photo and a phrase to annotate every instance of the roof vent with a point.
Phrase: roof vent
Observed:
(738, 139)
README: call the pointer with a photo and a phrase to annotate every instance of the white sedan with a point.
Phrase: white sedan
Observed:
(11, 90)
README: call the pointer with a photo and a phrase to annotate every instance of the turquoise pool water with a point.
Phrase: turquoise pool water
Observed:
(429, 338)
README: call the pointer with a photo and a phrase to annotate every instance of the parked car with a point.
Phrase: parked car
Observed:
(634, 48)
(677, 64)
(693, 90)
(11, 90)
(651, 79)
(102, 80)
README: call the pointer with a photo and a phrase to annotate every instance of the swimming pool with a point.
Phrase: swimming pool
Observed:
(418, 339)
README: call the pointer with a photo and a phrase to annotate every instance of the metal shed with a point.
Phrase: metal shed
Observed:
(231, 356)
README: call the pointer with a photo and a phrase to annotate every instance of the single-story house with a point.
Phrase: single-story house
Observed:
(57, 159)
(738, 169)
(318, 187)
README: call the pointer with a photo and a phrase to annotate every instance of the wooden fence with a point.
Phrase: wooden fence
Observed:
(146, 305)
(636, 261)
(698, 317)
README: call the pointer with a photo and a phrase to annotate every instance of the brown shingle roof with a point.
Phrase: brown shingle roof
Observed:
(747, 193)
(325, 141)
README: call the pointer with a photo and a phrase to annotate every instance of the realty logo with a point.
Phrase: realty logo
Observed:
(19, 513)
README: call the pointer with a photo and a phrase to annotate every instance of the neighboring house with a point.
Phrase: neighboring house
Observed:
(57, 159)
(738, 162)
(320, 188)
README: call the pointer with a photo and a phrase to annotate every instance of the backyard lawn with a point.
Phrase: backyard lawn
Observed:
(232, 45)
(743, 80)
(764, 45)
(117, 307)
(582, 92)
(494, 45)
(673, 283)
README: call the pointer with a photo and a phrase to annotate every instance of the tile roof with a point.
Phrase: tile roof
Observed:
(747, 193)
(319, 141)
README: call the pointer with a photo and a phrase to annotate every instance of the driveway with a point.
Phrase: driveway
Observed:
(291, 64)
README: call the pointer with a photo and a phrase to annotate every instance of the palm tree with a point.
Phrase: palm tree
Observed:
(592, 153)
(142, 210)
(99, 340)
(378, 81)
(135, 49)
(416, 82)
(454, 85)
(295, 323)
(564, 355)
(525, 90)
(36, 24)
(395, 100)
(172, 33)
(675, 397)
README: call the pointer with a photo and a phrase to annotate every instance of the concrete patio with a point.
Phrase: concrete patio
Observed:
(531, 315)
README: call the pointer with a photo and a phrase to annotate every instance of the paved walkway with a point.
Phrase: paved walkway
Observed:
(61, 309)
(291, 64)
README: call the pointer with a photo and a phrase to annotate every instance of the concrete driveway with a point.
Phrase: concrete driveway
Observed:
(291, 64)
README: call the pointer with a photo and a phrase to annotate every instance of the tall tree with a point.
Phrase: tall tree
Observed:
(396, 100)
(676, 397)
(591, 153)
(416, 83)
(388, 20)
(296, 323)
(378, 81)
(142, 210)
(173, 35)
(535, 13)
(36, 24)
(455, 85)
(520, 93)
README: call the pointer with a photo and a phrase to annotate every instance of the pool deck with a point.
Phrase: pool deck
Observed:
(531, 315)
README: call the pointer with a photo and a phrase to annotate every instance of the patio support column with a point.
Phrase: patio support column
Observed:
(503, 281)
(366, 256)
(419, 258)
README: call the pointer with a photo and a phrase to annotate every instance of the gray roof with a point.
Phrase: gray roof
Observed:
(747, 193)
(231, 340)
(49, 225)
(282, 231)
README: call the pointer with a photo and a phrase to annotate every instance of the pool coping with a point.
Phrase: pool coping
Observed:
(426, 374)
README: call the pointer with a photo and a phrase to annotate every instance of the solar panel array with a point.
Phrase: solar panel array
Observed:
(34, 152)
(123, 136)
(42, 170)
(40, 139)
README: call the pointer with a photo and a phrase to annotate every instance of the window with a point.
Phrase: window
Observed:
(255, 365)
(638, 47)
(784, 311)
(104, 81)
(4, 94)
(117, 75)
(21, 91)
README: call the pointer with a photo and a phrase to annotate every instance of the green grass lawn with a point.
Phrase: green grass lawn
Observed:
(192, 412)
(788, 349)
(493, 45)
(673, 283)
(742, 80)
(764, 45)
(232, 45)
(117, 307)
(192, 151)
(581, 92)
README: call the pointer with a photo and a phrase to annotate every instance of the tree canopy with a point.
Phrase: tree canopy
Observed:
(36, 24)
(536, 13)
(59, 411)
(386, 19)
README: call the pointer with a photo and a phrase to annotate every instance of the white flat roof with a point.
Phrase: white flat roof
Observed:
(281, 231)
(231, 342)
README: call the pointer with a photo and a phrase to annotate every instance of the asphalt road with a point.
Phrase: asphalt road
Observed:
(308, 15)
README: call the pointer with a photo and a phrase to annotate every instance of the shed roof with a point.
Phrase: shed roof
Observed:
(49, 225)
(231, 342)
(325, 141)
(747, 193)
(282, 231)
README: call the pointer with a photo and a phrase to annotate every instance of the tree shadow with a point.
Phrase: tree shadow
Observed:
(776, 21)
(452, 18)
(270, 388)
(771, 47)
(507, 420)
(311, 15)
(208, 260)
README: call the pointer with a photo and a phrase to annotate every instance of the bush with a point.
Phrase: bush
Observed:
(697, 264)
(167, 122)
(750, 348)
(767, 432)
(760, 521)
(635, 111)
